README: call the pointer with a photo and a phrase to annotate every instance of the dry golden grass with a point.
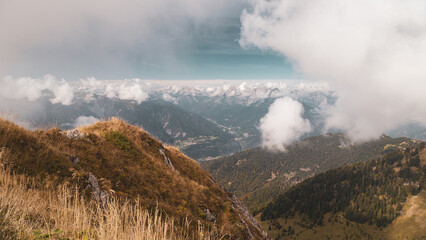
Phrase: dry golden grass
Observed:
(30, 212)
(129, 165)
(412, 222)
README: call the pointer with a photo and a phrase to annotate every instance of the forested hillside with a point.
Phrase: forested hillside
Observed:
(258, 175)
(371, 193)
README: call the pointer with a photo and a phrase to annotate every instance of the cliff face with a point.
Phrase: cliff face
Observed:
(114, 159)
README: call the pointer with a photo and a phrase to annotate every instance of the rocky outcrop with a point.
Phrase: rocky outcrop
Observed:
(97, 193)
(74, 134)
(209, 216)
(166, 159)
(73, 159)
(254, 230)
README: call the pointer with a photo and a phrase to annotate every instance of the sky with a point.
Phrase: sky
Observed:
(163, 39)
(371, 53)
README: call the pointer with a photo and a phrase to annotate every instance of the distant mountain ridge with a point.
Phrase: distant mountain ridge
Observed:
(205, 122)
(245, 92)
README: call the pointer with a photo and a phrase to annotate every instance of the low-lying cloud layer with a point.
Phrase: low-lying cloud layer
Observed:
(84, 121)
(34, 88)
(371, 52)
(133, 89)
(283, 124)
(26, 100)
(59, 91)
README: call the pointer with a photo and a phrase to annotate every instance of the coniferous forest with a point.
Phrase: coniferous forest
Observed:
(371, 192)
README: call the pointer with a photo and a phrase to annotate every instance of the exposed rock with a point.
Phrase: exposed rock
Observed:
(97, 193)
(74, 159)
(273, 176)
(166, 159)
(209, 216)
(74, 134)
(239, 162)
(308, 169)
(247, 219)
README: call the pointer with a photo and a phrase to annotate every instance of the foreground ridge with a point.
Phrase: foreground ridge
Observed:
(114, 161)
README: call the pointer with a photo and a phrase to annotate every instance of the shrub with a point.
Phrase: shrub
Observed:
(121, 142)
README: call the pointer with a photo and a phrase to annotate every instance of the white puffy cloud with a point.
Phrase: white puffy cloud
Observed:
(371, 52)
(283, 124)
(32, 89)
(62, 92)
(84, 121)
(133, 89)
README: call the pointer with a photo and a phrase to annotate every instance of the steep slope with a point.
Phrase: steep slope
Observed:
(126, 163)
(30, 210)
(369, 196)
(257, 175)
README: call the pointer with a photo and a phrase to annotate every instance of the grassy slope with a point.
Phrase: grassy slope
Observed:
(167, 122)
(412, 222)
(128, 164)
(30, 211)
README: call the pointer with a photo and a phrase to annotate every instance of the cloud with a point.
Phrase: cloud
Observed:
(81, 121)
(283, 124)
(133, 89)
(80, 38)
(25, 96)
(59, 91)
(84, 121)
(371, 52)
(29, 100)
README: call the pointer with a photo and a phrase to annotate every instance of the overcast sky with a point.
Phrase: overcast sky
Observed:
(162, 39)
(372, 53)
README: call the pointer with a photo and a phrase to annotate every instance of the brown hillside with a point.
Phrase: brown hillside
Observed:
(128, 164)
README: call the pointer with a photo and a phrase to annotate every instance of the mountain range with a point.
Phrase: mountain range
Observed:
(292, 194)
(205, 122)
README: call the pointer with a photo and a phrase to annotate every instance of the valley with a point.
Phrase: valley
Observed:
(213, 120)
(321, 187)
(205, 123)
(258, 175)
